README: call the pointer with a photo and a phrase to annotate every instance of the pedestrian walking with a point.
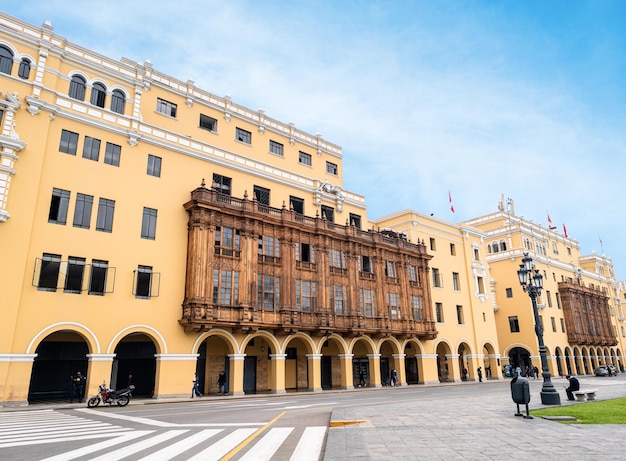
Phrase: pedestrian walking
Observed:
(221, 384)
(394, 377)
(480, 374)
(361, 377)
(195, 391)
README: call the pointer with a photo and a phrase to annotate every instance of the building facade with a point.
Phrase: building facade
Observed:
(153, 229)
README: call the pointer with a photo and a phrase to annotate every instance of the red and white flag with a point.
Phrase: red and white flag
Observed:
(450, 199)
(565, 231)
(550, 226)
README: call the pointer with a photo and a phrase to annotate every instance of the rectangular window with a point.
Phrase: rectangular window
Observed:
(367, 302)
(74, 275)
(91, 148)
(148, 223)
(305, 295)
(437, 279)
(104, 221)
(509, 292)
(227, 241)
(98, 277)
(393, 305)
(69, 142)
(459, 315)
(112, 154)
(563, 325)
(452, 249)
(480, 282)
(456, 283)
(208, 123)
(269, 292)
(337, 258)
(304, 158)
(331, 168)
(549, 297)
(365, 264)
(296, 204)
(433, 244)
(166, 107)
(305, 253)
(262, 195)
(476, 254)
(276, 148)
(553, 323)
(268, 249)
(417, 303)
(154, 166)
(222, 184)
(390, 269)
(244, 136)
(59, 204)
(82, 211)
(558, 300)
(338, 299)
(225, 287)
(355, 220)
(439, 312)
(49, 272)
(328, 213)
(514, 324)
(412, 273)
(143, 282)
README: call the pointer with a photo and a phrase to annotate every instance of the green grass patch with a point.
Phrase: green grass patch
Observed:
(600, 412)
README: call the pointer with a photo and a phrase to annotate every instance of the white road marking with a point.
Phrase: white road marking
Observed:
(139, 446)
(265, 448)
(226, 444)
(310, 445)
(68, 456)
(181, 446)
(154, 422)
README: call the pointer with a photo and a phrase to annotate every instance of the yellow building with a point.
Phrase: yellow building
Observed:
(153, 229)
(579, 307)
(463, 301)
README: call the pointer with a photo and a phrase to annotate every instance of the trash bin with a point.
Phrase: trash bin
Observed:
(520, 392)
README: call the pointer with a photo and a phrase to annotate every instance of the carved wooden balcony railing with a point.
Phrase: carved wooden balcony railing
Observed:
(288, 321)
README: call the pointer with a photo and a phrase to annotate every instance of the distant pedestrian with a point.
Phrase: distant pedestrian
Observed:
(394, 377)
(480, 374)
(488, 372)
(464, 375)
(195, 391)
(518, 371)
(221, 384)
(131, 382)
(608, 368)
(78, 387)
(361, 377)
(536, 372)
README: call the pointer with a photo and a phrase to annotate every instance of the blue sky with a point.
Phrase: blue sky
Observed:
(482, 98)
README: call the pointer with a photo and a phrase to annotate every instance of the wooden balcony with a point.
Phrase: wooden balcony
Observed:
(199, 317)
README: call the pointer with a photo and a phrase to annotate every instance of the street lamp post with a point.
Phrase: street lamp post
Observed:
(532, 282)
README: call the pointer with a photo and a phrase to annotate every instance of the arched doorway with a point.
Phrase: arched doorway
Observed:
(331, 364)
(519, 357)
(411, 364)
(60, 356)
(135, 357)
(387, 361)
(212, 360)
(297, 365)
(464, 366)
(443, 370)
(361, 373)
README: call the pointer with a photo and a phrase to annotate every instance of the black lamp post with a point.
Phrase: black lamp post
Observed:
(532, 282)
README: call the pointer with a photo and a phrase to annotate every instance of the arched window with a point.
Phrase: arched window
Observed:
(98, 94)
(117, 101)
(494, 247)
(502, 245)
(77, 88)
(6, 60)
(24, 70)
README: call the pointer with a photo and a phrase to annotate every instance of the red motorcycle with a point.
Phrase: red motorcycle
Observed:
(119, 398)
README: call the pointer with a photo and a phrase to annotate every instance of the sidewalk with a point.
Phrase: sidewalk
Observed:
(463, 427)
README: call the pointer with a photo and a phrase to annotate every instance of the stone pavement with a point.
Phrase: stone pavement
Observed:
(476, 423)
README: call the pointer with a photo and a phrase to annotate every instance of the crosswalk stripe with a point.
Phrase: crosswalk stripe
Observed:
(34, 434)
(137, 447)
(265, 448)
(57, 428)
(68, 456)
(181, 446)
(227, 443)
(72, 438)
(310, 445)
